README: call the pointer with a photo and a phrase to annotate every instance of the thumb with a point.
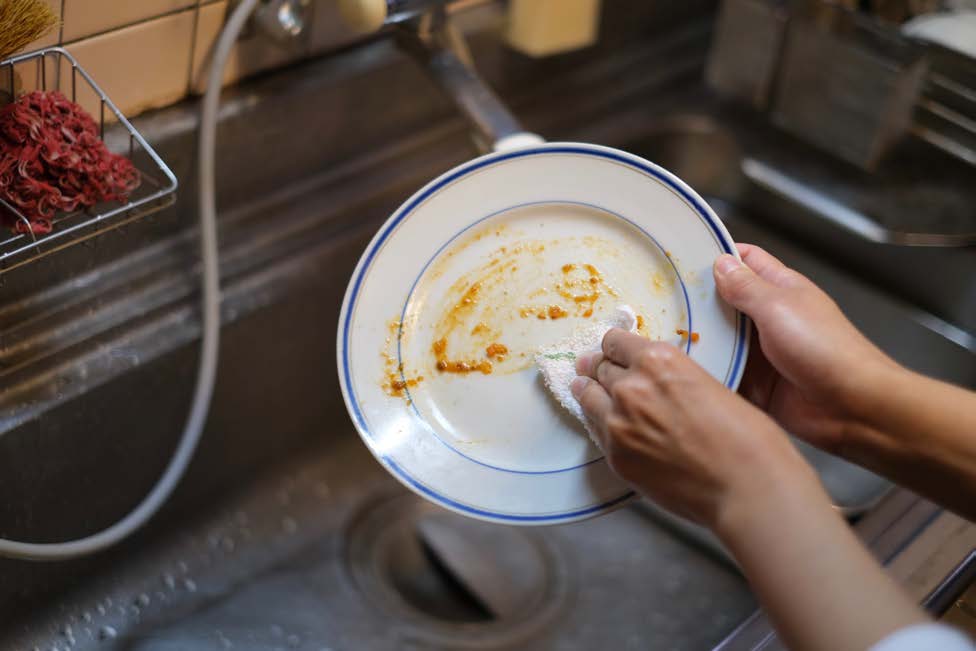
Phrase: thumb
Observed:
(740, 286)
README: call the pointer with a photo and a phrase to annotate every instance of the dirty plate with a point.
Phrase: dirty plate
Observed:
(483, 266)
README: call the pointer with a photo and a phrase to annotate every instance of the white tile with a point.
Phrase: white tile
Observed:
(86, 17)
(140, 67)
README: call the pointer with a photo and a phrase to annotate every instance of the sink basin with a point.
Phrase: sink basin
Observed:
(286, 534)
(328, 552)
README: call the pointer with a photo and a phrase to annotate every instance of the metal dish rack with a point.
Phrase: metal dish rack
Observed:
(55, 69)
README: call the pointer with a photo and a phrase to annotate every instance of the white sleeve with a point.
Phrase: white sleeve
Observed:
(926, 637)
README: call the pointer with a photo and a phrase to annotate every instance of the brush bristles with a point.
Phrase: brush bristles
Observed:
(23, 22)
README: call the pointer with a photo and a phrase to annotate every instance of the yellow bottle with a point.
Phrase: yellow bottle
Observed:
(541, 28)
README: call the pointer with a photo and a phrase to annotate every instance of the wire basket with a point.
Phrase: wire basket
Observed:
(54, 69)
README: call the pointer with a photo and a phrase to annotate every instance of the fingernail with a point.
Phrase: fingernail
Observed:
(726, 264)
(583, 363)
(578, 385)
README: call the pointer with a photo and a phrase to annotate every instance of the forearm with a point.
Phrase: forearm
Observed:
(818, 584)
(920, 433)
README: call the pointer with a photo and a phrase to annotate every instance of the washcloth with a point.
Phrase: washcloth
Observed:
(557, 362)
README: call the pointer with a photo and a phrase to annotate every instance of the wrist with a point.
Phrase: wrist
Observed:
(867, 392)
(774, 490)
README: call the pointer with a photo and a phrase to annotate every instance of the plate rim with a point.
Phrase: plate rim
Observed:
(743, 324)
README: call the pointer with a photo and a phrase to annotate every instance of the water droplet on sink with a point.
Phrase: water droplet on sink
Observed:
(190, 585)
(183, 567)
(289, 525)
(142, 600)
(134, 610)
(108, 601)
(276, 630)
(169, 581)
(66, 630)
(224, 642)
(107, 633)
(100, 608)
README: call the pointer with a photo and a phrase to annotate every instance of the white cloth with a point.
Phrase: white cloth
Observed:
(926, 637)
(558, 361)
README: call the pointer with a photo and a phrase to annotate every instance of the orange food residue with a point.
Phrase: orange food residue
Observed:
(684, 333)
(497, 351)
(395, 384)
(582, 289)
(556, 312)
(395, 381)
(446, 365)
(513, 281)
(640, 322)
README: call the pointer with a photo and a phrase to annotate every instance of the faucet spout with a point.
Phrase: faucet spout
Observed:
(441, 49)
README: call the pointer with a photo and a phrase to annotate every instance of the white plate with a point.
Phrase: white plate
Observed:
(520, 227)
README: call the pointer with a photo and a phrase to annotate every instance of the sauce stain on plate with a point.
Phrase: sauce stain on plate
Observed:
(395, 382)
(520, 286)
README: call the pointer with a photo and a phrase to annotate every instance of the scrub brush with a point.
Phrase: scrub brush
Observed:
(23, 22)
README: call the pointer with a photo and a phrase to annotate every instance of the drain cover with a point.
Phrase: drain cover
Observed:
(457, 580)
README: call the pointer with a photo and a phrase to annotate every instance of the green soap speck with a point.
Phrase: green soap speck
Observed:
(569, 356)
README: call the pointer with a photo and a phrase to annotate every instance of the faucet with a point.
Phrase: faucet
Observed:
(424, 30)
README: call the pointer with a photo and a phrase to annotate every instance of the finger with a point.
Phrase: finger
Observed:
(586, 364)
(599, 368)
(594, 400)
(742, 287)
(622, 347)
(607, 373)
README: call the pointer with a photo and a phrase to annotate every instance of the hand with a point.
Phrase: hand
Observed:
(811, 364)
(678, 435)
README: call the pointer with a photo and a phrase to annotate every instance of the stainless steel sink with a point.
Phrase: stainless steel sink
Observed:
(286, 534)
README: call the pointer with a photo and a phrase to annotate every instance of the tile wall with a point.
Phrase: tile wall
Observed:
(149, 53)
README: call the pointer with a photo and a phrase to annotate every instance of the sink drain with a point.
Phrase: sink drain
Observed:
(452, 579)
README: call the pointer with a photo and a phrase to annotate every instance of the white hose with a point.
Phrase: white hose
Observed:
(207, 370)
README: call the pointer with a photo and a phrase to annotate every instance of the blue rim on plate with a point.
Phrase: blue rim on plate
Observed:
(701, 209)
